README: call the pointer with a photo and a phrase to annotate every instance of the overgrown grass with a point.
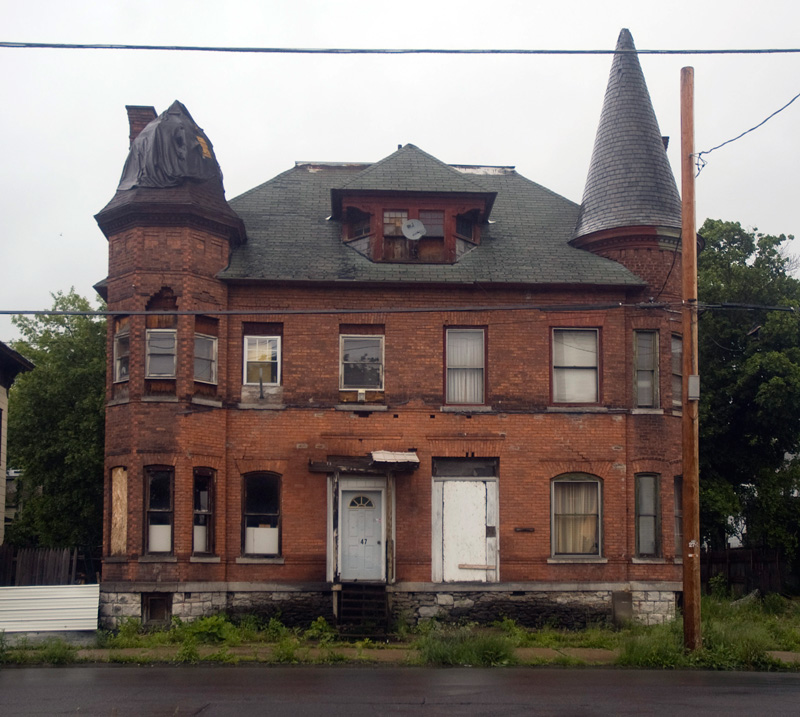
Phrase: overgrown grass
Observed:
(735, 636)
(466, 646)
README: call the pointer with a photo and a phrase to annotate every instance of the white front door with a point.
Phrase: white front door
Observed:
(362, 535)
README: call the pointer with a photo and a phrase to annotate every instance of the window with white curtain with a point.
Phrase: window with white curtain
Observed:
(677, 370)
(576, 511)
(648, 527)
(465, 366)
(575, 365)
(645, 348)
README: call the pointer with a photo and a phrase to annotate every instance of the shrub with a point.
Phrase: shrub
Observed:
(188, 652)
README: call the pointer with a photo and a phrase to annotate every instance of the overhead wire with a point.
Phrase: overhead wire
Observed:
(384, 50)
(700, 163)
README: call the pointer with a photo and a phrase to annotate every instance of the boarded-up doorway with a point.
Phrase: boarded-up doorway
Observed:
(464, 523)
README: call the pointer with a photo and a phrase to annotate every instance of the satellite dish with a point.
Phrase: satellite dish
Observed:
(414, 229)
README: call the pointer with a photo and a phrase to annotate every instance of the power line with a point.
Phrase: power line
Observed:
(725, 306)
(700, 163)
(383, 51)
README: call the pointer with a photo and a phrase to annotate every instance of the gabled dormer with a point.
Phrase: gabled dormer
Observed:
(411, 208)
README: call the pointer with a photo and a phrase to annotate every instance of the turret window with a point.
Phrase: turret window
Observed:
(161, 353)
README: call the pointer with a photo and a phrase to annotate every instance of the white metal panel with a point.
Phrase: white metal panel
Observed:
(43, 608)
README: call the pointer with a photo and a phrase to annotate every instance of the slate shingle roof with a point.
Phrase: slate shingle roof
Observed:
(409, 169)
(630, 181)
(290, 237)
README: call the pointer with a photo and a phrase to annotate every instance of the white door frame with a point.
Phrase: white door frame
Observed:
(353, 483)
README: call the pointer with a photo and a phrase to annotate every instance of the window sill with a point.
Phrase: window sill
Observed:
(648, 561)
(678, 561)
(577, 409)
(159, 399)
(360, 407)
(200, 401)
(115, 559)
(118, 402)
(647, 411)
(261, 406)
(452, 408)
(158, 559)
(259, 561)
(204, 559)
(576, 560)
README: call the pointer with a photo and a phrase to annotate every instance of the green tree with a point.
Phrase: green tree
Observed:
(750, 405)
(56, 427)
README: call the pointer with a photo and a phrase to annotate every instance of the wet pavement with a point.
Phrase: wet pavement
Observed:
(378, 690)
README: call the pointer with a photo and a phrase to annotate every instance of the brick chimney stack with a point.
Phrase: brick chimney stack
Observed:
(139, 116)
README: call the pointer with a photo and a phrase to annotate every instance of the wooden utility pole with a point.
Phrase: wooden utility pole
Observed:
(692, 639)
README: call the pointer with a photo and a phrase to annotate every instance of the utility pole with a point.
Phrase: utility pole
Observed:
(692, 639)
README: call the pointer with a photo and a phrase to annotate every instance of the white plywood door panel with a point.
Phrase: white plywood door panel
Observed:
(463, 531)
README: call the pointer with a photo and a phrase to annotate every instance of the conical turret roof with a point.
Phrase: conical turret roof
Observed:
(630, 181)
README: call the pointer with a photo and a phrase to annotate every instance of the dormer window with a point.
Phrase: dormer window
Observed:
(433, 220)
(393, 220)
(359, 225)
(465, 227)
(412, 229)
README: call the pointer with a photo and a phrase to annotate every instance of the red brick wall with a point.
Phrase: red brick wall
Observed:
(533, 443)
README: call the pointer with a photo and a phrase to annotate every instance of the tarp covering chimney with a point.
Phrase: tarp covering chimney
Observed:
(168, 151)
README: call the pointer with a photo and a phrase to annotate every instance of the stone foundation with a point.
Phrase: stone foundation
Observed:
(409, 604)
(293, 606)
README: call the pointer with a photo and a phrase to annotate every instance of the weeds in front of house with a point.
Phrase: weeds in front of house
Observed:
(736, 635)
(465, 646)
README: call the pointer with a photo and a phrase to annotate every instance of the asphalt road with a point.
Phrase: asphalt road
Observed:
(353, 691)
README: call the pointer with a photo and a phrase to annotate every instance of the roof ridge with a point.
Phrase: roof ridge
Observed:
(394, 156)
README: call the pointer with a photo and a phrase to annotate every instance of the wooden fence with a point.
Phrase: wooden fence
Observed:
(46, 566)
(748, 569)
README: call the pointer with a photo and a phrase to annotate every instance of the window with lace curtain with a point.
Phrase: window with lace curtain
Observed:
(465, 379)
(576, 515)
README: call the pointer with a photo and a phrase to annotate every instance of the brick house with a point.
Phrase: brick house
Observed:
(442, 385)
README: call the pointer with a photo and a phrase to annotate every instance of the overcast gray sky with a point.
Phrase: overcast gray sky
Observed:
(63, 127)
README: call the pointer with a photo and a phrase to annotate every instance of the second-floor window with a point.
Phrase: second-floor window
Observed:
(262, 360)
(575, 366)
(161, 353)
(361, 365)
(122, 349)
(465, 374)
(645, 349)
(677, 370)
(205, 358)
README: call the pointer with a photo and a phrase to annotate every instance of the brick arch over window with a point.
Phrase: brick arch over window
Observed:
(576, 515)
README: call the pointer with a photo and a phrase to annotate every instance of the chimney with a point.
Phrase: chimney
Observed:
(139, 116)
